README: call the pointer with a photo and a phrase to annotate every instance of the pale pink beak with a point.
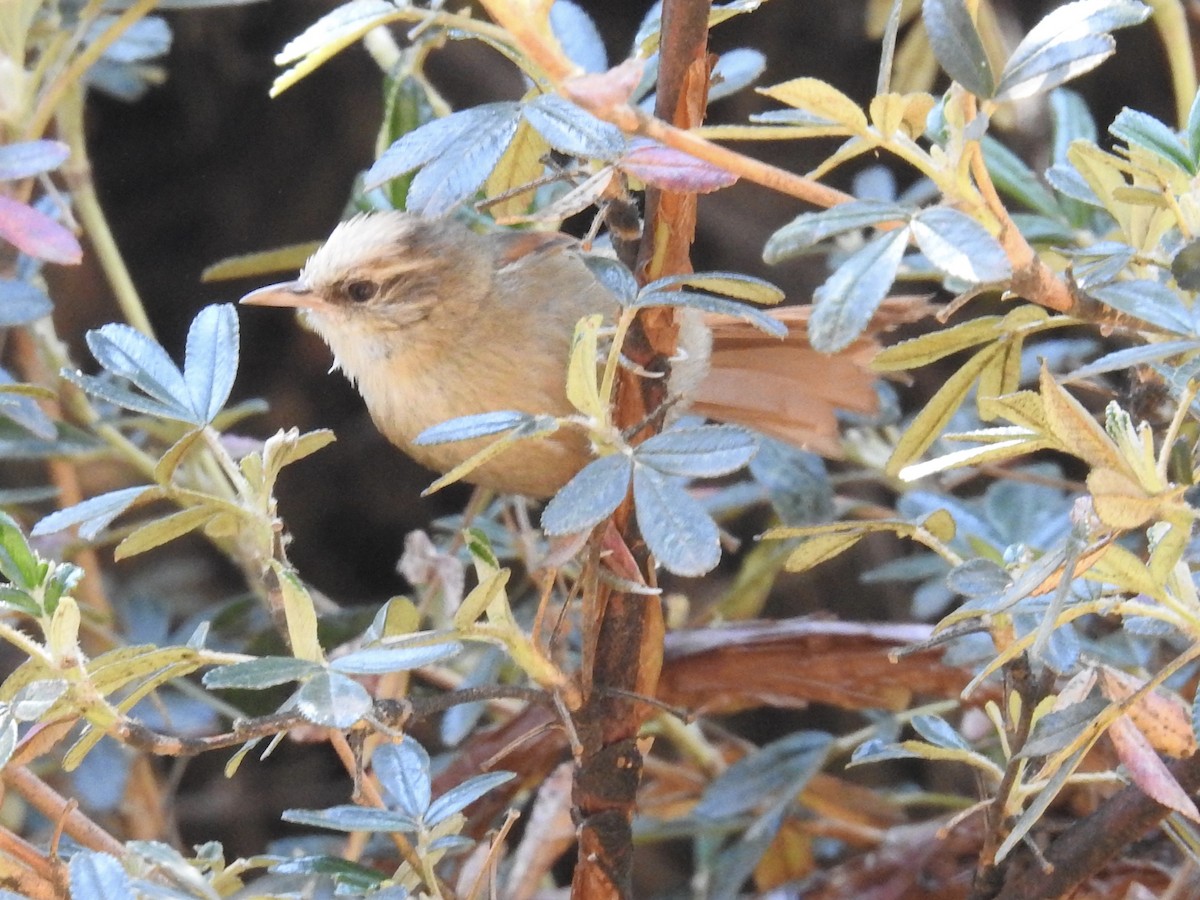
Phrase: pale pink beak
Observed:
(286, 293)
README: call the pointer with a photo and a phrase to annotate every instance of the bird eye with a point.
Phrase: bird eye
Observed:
(361, 291)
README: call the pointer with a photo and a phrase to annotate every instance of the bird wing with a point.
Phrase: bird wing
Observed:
(785, 388)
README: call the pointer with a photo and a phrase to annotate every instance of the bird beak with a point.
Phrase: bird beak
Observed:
(287, 293)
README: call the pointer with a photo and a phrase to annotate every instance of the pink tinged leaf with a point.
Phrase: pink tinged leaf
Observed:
(673, 170)
(605, 90)
(1147, 770)
(36, 234)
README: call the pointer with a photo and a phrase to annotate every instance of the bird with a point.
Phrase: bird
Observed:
(432, 320)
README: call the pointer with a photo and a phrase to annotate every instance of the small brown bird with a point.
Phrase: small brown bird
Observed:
(433, 321)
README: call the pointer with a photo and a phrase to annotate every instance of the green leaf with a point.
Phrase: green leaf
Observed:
(17, 560)
(94, 515)
(810, 228)
(846, 302)
(393, 658)
(777, 770)
(255, 674)
(465, 428)
(1149, 301)
(590, 497)
(678, 531)
(704, 452)
(1144, 130)
(160, 531)
(1070, 40)
(959, 246)
(939, 732)
(351, 818)
(211, 359)
(957, 45)
(1010, 174)
(332, 700)
(129, 354)
(463, 795)
(403, 771)
(614, 276)
(573, 130)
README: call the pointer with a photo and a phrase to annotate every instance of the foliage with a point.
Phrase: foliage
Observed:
(1053, 538)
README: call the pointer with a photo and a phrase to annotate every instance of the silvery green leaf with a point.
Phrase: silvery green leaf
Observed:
(22, 303)
(590, 497)
(938, 732)
(126, 352)
(957, 45)
(735, 70)
(850, 296)
(403, 770)
(14, 600)
(460, 720)
(795, 480)
(1016, 179)
(432, 140)
(94, 514)
(573, 130)
(1039, 229)
(875, 750)
(112, 392)
(614, 276)
(24, 410)
(8, 743)
(344, 871)
(959, 246)
(678, 531)
(29, 158)
(255, 674)
(978, 578)
(450, 844)
(35, 699)
(727, 284)
(1119, 360)
(211, 359)
(1065, 179)
(463, 795)
(1147, 132)
(703, 452)
(351, 818)
(332, 700)
(1055, 730)
(708, 303)
(145, 39)
(1072, 121)
(380, 660)
(811, 228)
(1149, 301)
(460, 169)
(578, 35)
(737, 860)
(1070, 40)
(778, 769)
(98, 876)
(17, 443)
(465, 428)
(1100, 264)
(345, 20)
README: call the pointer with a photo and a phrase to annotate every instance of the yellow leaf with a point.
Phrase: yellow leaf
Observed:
(1074, 427)
(520, 165)
(1119, 501)
(583, 387)
(920, 351)
(820, 549)
(264, 262)
(1124, 569)
(938, 411)
(160, 531)
(940, 524)
(300, 614)
(822, 99)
